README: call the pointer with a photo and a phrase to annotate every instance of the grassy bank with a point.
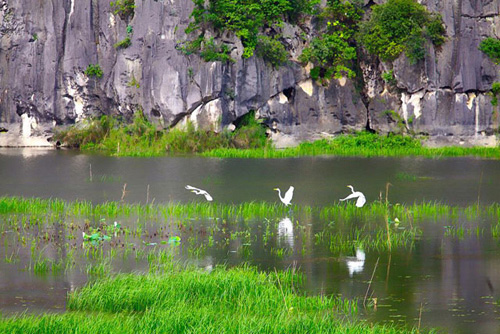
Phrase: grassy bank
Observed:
(359, 144)
(180, 300)
(143, 139)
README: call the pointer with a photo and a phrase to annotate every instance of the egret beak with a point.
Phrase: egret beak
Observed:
(275, 189)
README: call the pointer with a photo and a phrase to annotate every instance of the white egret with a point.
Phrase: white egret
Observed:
(198, 191)
(287, 199)
(356, 264)
(356, 194)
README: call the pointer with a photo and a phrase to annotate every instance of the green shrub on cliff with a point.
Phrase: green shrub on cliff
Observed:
(495, 92)
(243, 18)
(94, 70)
(491, 47)
(401, 26)
(271, 50)
(124, 8)
(333, 51)
(246, 19)
(123, 44)
(208, 49)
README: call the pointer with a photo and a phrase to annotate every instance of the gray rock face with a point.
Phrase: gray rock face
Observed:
(446, 94)
(45, 47)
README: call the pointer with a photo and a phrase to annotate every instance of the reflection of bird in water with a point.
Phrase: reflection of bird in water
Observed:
(198, 191)
(356, 264)
(285, 231)
(287, 199)
(361, 197)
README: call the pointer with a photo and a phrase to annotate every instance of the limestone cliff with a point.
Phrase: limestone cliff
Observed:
(45, 47)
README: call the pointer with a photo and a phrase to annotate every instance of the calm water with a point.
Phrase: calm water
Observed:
(448, 282)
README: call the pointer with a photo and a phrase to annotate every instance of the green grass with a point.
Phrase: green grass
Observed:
(360, 144)
(55, 210)
(143, 139)
(179, 300)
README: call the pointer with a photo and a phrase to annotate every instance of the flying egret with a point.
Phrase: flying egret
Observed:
(361, 198)
(287, 199)
(356, 264)
(198, 191)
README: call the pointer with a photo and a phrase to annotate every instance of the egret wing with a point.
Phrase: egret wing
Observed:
(354, 195)
(288, 195)
(208, 197)
(361, 201)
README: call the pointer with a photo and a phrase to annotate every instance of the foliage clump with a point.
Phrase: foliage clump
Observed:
(142, 138)
(94, 70)
(127, 41)
(208, 49)
(124, 8)
(495, 92)
(389, 78)
(92, 130)
(401, 26)
(334, 50)
(271, 50)
(491, 47)
(246, 19)
(124, 43)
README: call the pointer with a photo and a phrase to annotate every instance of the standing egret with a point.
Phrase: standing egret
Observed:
(198, 191)
(287, 199)
(361, 198)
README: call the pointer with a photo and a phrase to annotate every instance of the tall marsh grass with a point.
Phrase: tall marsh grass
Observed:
(144, 139)
(238, 300)
(54, 210)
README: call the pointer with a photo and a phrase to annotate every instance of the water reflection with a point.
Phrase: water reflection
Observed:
(356, 263)
(285, 232)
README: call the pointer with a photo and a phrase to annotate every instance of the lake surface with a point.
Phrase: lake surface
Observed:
(317, 180)
(446, 280)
